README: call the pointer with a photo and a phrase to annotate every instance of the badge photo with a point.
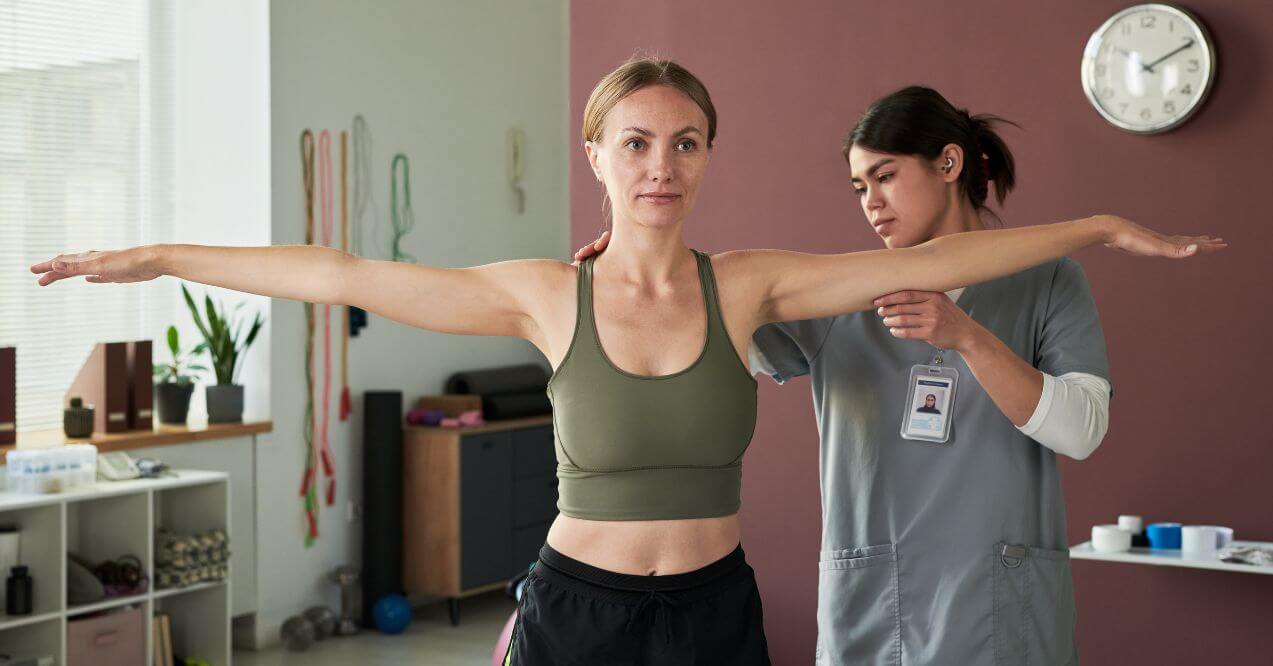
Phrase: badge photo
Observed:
(930, 402)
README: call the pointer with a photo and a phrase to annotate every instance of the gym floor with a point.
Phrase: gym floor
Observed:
(430, 639)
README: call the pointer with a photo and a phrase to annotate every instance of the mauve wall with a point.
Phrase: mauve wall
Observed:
(1190, 439)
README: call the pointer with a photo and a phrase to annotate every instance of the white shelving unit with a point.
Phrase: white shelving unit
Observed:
(105, 521)
(1173, 558)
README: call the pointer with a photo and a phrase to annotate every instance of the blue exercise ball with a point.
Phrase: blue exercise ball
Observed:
(392, 614)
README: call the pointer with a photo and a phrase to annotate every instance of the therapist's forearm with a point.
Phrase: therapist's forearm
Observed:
(1014, 385)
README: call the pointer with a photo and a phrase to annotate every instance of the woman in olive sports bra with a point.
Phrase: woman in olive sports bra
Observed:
(654, 406)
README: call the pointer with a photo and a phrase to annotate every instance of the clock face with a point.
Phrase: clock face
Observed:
(1148, 68)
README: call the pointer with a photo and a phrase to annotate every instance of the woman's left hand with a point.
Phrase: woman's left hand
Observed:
(1127, 236)
(929, 316)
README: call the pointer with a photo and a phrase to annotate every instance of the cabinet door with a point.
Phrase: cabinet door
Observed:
(534, 500)
(526, 544)
(486, 508)
(533, 452)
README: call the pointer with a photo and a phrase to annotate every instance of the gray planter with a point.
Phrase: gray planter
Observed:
(225, 403)
(173, 401)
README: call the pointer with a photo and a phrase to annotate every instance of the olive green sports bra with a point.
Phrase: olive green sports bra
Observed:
(633, 447)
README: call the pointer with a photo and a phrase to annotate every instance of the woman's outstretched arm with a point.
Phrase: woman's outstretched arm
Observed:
(495, 299)
(795, 285)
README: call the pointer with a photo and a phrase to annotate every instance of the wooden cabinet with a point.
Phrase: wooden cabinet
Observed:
(477, 504)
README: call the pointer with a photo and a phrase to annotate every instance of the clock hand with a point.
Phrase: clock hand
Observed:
(1127, 54)
(1150, 66)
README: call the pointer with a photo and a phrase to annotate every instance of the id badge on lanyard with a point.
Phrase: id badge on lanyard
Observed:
(930, 402)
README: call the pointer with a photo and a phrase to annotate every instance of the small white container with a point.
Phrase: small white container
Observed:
(1132, 524)
(1198, 539)
(1111, 539)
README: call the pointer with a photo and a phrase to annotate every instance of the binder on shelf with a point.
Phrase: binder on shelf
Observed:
(103, 383)
(161, 636)
(8, 395)
(140, 386)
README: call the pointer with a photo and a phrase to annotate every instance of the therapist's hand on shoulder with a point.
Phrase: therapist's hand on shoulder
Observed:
(929, 316)
(594, 248)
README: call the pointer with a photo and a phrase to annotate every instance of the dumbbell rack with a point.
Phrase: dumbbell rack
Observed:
(104, 521)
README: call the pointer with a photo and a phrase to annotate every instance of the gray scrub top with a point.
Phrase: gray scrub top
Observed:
(948, 553)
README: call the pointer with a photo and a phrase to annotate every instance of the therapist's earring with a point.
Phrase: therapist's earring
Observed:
(950, 164)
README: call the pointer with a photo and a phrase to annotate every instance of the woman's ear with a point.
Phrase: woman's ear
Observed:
(950, 163)
(590, 149)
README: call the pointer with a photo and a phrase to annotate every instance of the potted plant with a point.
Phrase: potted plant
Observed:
(174, 381)
(227, 338)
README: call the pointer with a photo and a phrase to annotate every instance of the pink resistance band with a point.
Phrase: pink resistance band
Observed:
(325, 196)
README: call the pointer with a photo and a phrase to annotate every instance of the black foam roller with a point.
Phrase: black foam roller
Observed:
(382, 498)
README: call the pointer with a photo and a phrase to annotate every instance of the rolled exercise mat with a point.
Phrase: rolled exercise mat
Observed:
(1110, 539)
(509, 379)
(515, 405)
(1164, 536)
(382, 499)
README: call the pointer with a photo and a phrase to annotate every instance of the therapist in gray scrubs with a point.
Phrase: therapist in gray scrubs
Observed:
(950, 552)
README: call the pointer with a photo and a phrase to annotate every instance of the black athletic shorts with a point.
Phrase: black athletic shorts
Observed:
(573, 614)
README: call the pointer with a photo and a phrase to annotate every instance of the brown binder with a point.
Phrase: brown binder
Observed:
(103, 384)
(8, 395)
(140, 386)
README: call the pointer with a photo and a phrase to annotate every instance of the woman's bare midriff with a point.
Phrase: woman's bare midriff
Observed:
(645, 547)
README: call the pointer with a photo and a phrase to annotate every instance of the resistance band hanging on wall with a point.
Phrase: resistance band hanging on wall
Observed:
(308, 480)
(364, 205)
(346, 406)
(325, 195)
(403, 216)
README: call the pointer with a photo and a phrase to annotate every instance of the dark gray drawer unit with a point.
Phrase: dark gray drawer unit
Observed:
(477, 505)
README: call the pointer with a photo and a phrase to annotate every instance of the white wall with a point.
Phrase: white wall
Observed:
(442, 82)
(221, 181)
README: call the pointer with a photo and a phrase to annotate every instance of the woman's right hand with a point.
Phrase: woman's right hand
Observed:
(1129, 237)
(136, 264)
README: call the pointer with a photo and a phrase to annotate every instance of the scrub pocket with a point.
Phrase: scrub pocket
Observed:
(1034, 606)
(858, 616)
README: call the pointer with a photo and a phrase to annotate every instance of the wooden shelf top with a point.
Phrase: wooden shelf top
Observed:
(138, 439)
(489, 426)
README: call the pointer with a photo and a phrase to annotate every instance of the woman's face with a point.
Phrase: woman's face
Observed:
(904, 197)
(651, 156)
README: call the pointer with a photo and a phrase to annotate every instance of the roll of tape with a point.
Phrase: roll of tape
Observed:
(1132, 524)
(1164, 536)
(1110, 539)
(1198, 538)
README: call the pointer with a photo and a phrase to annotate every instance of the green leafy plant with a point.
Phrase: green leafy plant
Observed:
(225, 335)
(180, 370)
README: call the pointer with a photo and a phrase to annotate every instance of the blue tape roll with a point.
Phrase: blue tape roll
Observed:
(1164, 536)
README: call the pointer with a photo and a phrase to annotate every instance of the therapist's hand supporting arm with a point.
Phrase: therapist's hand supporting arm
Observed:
(1013, 384)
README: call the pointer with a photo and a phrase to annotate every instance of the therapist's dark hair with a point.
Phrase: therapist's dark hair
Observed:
(918, 121)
